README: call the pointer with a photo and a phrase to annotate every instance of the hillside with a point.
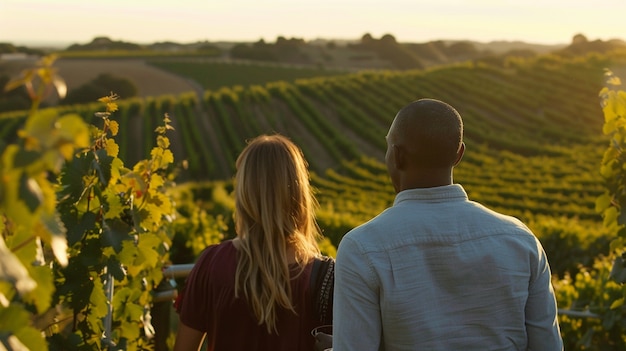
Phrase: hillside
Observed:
(541, 109)
(533, 132)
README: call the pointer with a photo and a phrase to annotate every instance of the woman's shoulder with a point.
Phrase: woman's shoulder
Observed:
(220, 251)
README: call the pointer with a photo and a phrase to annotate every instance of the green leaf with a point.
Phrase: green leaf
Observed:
(9, 342)
(603, 202)
(30, 192)
(148, 256)
(72, 187)
(31, 338)
(57, 242)
(618, 272)
(121, 298)
(114, 267)
(114, 232)
(102, 166)
(115, 207)
(41, 296)
(12, 270)
(98, 300)
(78, 226)
(134, 312)
(23, 158)
(617, 303)
(610, 216)
(13, 315)
(77, 285)
(16, 320)
(621, 218)
(72, 128)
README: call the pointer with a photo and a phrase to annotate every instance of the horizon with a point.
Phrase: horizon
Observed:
(64, 44)
(187, 21)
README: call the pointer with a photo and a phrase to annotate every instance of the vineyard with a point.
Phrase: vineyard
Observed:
(534, 146)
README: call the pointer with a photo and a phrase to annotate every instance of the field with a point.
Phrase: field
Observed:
(76, 72)
(533, 135)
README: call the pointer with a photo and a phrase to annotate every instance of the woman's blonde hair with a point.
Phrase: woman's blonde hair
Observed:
(274, 211)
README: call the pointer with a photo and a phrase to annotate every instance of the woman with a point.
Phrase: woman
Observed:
(253, 292)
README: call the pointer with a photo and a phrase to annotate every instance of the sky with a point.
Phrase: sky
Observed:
(25, 22)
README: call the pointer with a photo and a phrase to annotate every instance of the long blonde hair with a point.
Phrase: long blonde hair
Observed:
(274, 211)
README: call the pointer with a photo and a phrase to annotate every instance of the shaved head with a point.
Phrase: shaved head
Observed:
(431, 132)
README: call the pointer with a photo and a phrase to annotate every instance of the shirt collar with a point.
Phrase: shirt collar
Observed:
(446, 193)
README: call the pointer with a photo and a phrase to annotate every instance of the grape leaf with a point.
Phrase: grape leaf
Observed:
(12, 270)
(57, 241)
(71, 178)
(23, 158)
(78, 226)
(102, 166)
(30, 192)
(114, 232)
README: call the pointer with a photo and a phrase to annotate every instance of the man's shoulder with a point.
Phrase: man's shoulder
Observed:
(367, 235)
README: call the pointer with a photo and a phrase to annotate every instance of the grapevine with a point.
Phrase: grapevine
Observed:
(84, 238)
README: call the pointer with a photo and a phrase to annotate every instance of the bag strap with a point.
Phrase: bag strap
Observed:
(322, 285)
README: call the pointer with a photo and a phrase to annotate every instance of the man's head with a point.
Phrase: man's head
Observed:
(424, 143)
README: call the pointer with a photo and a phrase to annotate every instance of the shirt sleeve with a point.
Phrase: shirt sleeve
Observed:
(542, 325)
(356, 312)
(193, 304)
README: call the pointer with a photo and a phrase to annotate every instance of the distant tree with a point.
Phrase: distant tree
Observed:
(367, 39)
(388, 38)
(102, 85)
(581, 46)
(13, 100)
(288, 50)
(258, 51)
(8, 48)
(104, 44)
(579, 39)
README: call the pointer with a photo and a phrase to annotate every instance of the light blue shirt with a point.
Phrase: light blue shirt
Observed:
(439, 272)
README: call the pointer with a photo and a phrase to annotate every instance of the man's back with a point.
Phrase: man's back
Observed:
(439, 272)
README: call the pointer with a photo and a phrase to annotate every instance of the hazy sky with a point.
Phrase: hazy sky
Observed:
(537, 21)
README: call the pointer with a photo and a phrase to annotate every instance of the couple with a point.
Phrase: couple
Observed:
(433, 272)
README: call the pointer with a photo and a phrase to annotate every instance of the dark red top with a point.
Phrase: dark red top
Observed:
(208, 304)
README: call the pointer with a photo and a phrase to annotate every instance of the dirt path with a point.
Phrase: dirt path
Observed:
(149, 80)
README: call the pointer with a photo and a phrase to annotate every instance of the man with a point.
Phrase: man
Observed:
(437, 271)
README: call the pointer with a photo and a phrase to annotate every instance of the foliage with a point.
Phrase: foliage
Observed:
(591, 293)
(104, 44)
(83, 237)
(387, 48)
(14, 99)
(102, 85)
(8, 48)
(40, 82)
(612, 203)
(570, 244)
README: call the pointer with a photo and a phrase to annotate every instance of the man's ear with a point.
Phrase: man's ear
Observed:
(399, 156)
(459, 154)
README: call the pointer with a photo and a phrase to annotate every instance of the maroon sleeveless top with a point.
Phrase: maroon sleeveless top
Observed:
(208, 304)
